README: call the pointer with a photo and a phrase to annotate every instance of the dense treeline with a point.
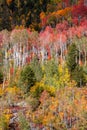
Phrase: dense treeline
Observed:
(29, 13)
(21, 12)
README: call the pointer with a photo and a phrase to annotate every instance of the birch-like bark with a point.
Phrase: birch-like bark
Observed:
(61, 47)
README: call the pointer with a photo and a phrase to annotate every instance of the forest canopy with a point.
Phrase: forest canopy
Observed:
(36, 13)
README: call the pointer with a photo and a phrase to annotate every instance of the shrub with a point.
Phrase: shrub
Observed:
(4, 121)
(33, 102)
(23, 123)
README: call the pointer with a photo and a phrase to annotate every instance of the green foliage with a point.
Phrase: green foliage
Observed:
(55, 1)
(76, 71)
(52, 21)
(33, 102)
(37, 92)
(71, 58)
(51, 68)
(4, 16)
(1, 77)
(36, 66)
(23, 123)
(27, 78)
(3, 123)
(79, 76)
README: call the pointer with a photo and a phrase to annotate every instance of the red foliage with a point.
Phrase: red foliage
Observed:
(79, 10)
(12, 71)
(62, 26)
(28, 59)
(75, 21)
(66, 2)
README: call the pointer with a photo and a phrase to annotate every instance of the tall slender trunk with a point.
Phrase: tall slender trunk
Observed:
(23, 56)
(20, 56)
(61, 47)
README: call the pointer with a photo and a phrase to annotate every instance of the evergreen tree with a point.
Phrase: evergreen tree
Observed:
(21, 12)
(76, 71)
(36, 66)
(72, 57)
(79, 76)
(4, 16)
(1, 77)
(27, 78)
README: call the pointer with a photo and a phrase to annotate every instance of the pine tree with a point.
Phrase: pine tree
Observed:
(4, 16)
(72, 58)
(1, 77)
(79, 76)
(76, 71)
(27, 78)
(21, 12)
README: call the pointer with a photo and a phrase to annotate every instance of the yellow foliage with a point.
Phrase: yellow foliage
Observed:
(50, 89)
(61, 115)
(64, 76)
(19, 27)
(12, 90)
(38, 84)
(8, 116)
(52, 83)
(1, 91)
(48, 119)
(4, 121)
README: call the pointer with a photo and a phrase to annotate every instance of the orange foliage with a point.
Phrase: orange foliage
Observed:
(42, 15)
(8, 1)
(62, 12)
